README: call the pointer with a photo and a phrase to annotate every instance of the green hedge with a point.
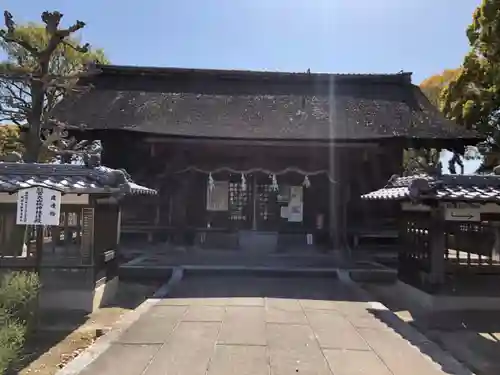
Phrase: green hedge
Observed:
(18, 299)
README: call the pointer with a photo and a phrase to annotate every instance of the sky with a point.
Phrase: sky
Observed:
(338, 36)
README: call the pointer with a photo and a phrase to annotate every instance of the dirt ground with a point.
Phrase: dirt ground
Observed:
(472, 337)
(62, 336)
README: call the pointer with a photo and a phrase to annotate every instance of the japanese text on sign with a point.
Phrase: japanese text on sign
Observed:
(38, 206)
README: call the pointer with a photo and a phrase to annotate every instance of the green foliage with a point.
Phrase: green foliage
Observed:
(65, 60)
(434, 85)
(18, 292)
(419, 160)
(10, 139)
(472, 98)
(64, 65)
(12, 338)
(18, 297)
(43, 64)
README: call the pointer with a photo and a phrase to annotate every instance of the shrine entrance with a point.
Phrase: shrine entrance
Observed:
(254, 206)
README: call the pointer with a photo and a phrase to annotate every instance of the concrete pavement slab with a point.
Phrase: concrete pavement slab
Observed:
(203, 313)
(275, 315)
(317, 304)
(188, 352)
(175, 302)
(352, 308)
(333, 331)
(398, 354)
(285, 304)
(294, 349)
(355, 362)
(366, 320)
(246, 301)
(240, 360)
(155, 326)
(206, 301)
(243, 325)
(259, 325)
(122, 359)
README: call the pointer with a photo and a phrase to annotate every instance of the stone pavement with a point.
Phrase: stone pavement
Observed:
(255, 325)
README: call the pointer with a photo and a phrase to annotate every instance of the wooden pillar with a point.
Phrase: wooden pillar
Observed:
(179, 211)
(39, 246)
(87, 244)
(495, 252)
(156, 221)
(437, 244)
(118, 226)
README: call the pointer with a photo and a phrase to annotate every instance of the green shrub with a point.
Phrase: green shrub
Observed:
(18, 295)
(12, 338)
(18, 304)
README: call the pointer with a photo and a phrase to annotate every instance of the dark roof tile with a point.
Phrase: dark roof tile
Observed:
(471, 188)
(67, 178)
(258, 105)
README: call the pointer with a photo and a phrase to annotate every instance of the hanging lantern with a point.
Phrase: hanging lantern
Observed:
(211, 183)
(274, 183)
(243, 183)
(306, 183)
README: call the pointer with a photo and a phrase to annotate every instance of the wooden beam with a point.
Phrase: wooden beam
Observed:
(254, 142)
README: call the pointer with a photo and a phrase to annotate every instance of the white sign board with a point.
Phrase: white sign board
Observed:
(463, 214)
(38, 206)
(218, 196)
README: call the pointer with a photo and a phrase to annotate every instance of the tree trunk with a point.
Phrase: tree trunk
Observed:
(33, 140)
(33, 146)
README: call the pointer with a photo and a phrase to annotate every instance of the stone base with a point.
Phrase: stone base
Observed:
(420, 299)
(258, 242)
(217, 240)
(88, 300)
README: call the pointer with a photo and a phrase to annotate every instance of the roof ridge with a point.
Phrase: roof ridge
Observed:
(403, 77)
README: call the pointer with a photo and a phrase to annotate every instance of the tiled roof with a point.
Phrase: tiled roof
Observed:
(471, 188)
(257, 105)
(68, 178)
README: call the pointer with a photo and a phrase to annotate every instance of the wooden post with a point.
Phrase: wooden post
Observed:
(495, 252)
(38, 246)
(118, 226)
(437, 244)
(156, 222)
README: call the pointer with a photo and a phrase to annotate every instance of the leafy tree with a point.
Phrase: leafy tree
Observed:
(43, 64)
(417, 161)
(434, 85)
(472, 98)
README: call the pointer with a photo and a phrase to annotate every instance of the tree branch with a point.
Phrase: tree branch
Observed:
(82, 49)
(8, 36)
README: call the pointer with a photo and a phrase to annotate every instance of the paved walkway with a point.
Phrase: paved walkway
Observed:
(252, 326)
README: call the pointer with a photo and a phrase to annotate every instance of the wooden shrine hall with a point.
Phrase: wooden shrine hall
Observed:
(258, 161)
